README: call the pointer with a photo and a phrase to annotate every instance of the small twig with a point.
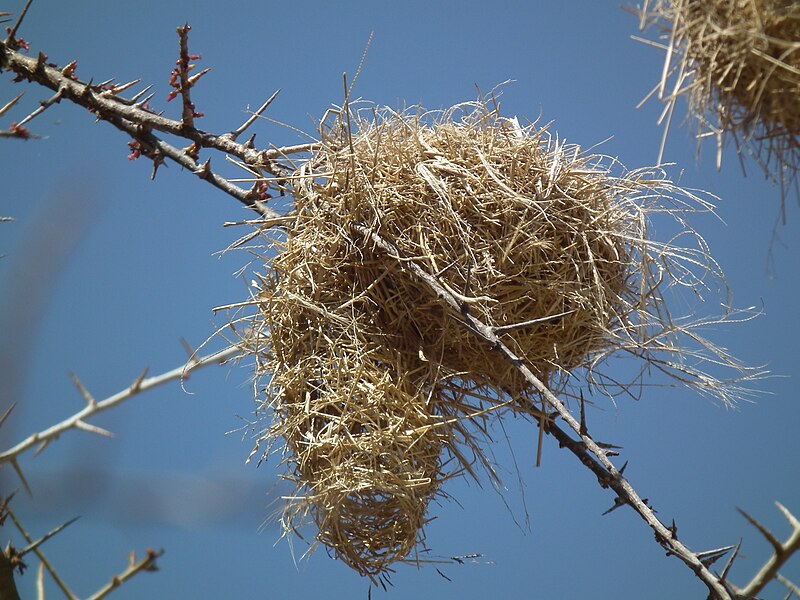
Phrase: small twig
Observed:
(287, 150)
(77, 421)
(794, 589)
(44, 105)
(34, 545)
(148, 564)
(59, 582)
(188, 113)
(254, 117)
(12, 34)
(8, 106)
(21, 475)
(40, 582)
(7, 413)
(19, 133)
(781, 551)
(131, 117)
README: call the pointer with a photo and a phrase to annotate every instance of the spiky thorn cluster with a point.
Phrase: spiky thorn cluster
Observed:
(134, 116)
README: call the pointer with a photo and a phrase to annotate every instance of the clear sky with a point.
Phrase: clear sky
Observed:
(105, 271)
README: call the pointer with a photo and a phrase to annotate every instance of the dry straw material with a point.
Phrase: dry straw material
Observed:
(738, 63)
(375, 390)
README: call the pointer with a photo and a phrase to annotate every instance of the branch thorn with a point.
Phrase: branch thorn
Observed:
(583, 430)
(617, 503)
(42, 446)
(18, 471)
(793, 521)
(137, 383)
(7, 413)
(204, 170)
(237, 132)
(709, 557)
(726, 569)
(90, 401)
(774, 542)
(8, 106)
(84, 426)
(138, 95)
(33, 545)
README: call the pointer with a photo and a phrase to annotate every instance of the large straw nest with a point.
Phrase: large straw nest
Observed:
(738, 62)
(377, 390)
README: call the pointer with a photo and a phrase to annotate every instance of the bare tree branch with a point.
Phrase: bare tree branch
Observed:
(11, 559)
(59, 582)
(781, 551)
(146, 564)
(134, 117)
(793, 589)
(141, 384)
(34, 545)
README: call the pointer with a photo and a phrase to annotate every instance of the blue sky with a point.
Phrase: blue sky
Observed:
(105, 271)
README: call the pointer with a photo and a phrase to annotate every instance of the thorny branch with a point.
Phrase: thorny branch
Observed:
(11, 560)
(146, 564)
(781, 552)
(135, 117)
(50, 569)
(92, 408)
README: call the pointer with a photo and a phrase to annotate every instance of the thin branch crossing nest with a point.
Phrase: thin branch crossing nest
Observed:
(374, 386)
(738, 63)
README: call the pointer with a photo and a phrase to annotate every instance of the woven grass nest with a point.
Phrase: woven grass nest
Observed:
(375, 393)
(738, 63)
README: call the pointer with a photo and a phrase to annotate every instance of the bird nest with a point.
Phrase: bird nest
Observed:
(375, 387)
(738, 63)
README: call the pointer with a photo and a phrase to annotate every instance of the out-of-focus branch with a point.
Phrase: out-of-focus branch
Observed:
(793, 589)
(8, 587)
(781, 552)
(11, 560)
(53, 573)
(146, 564)
(92, 408)
(589, 452)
